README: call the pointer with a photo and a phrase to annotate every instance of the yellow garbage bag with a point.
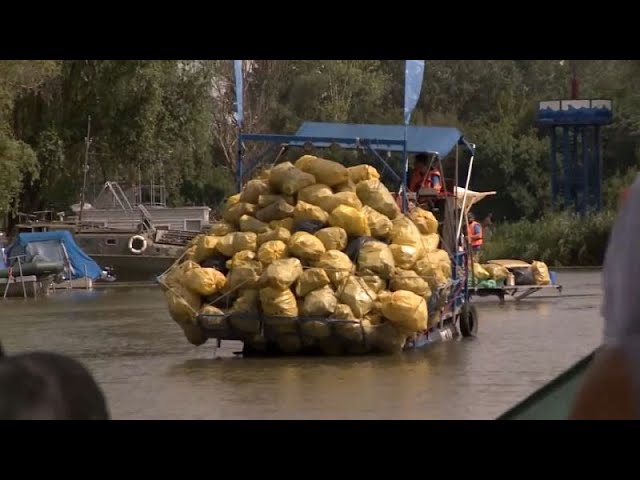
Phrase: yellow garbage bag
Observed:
(278, 210)
(316, 329)
(306, 212)
(205, 248)
(250, 224)
(387, 338)
(337, 265)
(220, 229)
(306, 247)
(314, 193)
(431, 270)
(281, 274)
(248, 301)
(353, 221)
(405, 256)
(271, 251)
(231, 201)
(406, 310)
(480, 273)
(374, 194)
(286, 223)
(360, 173)
(350, 199)
(333, 238)
(235, 242)
(442, 258)
(278, 233)
(379, 224)
(374, 282)
(253, 189)
(240, 259)
(405, 232)
(237, 210)
(347, 186)
(497, 272)
(431, 242)
(183, 304)
(541, 273)
(375, 258)
(325, 171)
(287, 179)
(278, 303)
(310, 280)
(410, 281)
(424, 220)
(343, 312)
(244, 276)
(269, 198)
(321, 302)
(356, 293)
(204, 281)
(212, 317)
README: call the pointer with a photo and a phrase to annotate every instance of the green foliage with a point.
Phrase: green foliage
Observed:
(558, 239)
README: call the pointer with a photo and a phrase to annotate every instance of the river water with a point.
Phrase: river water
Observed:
(149, 371)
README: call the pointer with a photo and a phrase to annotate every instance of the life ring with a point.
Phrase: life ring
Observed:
(140, 240)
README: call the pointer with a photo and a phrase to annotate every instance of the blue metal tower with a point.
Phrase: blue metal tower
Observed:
(574, 127)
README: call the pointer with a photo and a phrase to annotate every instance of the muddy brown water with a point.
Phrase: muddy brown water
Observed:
(149, 371)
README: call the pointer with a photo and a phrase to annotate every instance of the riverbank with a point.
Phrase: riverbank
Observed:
(559, 239)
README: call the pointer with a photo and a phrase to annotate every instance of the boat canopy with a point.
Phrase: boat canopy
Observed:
(58, 246)
(433, 140)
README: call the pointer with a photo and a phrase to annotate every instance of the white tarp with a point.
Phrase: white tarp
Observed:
(472, 197)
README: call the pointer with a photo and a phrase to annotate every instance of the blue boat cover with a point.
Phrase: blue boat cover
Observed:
(439, 140)
(79, 260)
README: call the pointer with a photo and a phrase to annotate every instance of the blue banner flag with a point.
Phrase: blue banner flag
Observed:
(239, 90)
(413, 75)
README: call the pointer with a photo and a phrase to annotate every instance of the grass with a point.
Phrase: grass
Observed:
(558, 239)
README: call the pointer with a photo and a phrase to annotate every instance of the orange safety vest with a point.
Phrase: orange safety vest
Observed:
(470, 227)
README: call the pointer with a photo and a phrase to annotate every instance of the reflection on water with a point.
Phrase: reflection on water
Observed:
(149, 371)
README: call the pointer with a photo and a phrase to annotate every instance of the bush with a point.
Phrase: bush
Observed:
(558, 239)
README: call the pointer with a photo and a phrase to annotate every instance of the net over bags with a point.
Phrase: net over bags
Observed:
(282, 273)
(376, 258)
(379, 224)
(310, 280)
(253, 189)
(333, 238)
(306, 246)
(321, 302)
(357, 294)
(374, 282)
(374, 194)
(406, 310)
(245, 275)
(204, 281)
(431, 271)
(424, 220)
(278, 303)
(540, 273)
(405, 232)
(271, 251)
(361, 173)
(288, 179)
(325, 171)
(337, 265)
(351, 220)
(250, 224)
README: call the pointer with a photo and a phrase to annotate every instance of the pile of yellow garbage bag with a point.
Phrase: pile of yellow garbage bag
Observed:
(284, 250)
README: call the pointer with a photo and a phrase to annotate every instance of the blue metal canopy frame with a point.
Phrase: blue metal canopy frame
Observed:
(439, 141)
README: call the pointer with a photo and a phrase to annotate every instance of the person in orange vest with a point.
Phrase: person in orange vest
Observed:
(423, 176)
(474, 232)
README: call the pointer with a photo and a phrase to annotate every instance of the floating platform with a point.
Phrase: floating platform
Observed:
(518, 292)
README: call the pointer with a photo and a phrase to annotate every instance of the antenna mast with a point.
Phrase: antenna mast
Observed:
(87, 143)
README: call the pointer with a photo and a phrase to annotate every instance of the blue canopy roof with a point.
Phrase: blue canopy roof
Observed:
(438, 140)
